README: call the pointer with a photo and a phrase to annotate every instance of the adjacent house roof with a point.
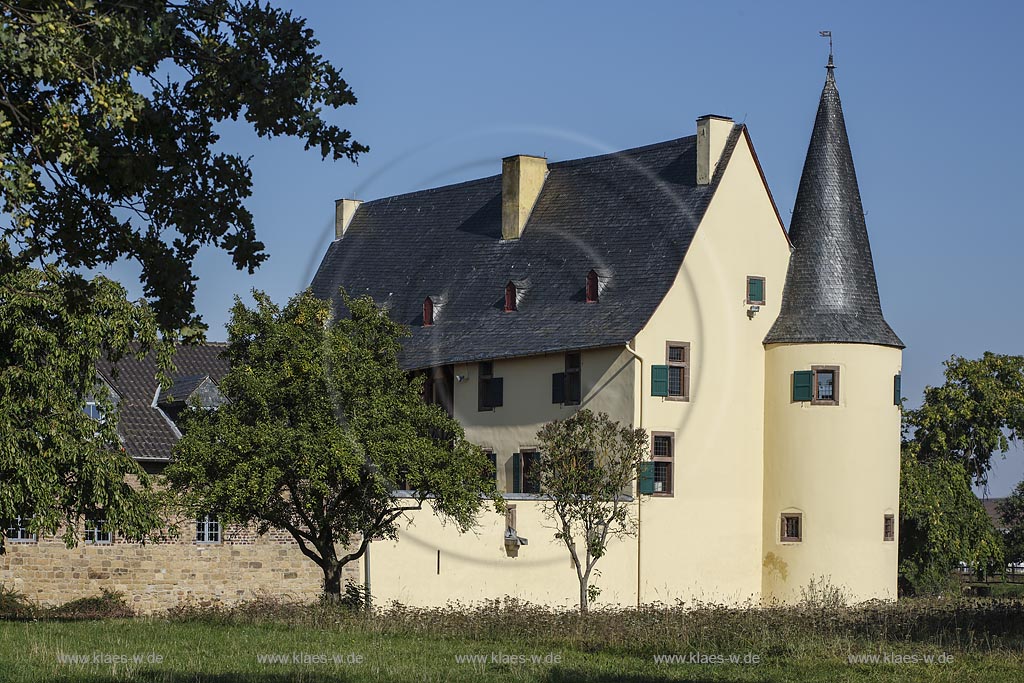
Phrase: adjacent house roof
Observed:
(148, 432)
(630, 215)
(991, 506)
(831, 294)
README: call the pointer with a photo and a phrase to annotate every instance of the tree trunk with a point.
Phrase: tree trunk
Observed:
(583, 596)
(332, 583)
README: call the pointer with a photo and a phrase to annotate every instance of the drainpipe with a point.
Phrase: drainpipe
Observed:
(639, 503)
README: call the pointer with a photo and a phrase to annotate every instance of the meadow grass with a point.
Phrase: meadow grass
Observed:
(983, 638)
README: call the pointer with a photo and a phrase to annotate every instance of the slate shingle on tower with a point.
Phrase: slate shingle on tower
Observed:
(831, 295)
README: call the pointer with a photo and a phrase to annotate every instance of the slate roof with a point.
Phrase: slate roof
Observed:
(631, 215)
(147, 433)
(830, 294)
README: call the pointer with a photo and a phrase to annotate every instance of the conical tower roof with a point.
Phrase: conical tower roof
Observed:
(831, 295)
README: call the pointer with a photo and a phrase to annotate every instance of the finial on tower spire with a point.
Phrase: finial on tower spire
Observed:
(828, 34)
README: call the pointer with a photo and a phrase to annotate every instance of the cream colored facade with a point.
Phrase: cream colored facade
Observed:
(744, 452)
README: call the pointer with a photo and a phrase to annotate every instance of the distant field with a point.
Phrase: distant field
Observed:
(979, 640)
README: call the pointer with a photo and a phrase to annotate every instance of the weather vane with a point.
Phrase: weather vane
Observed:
(827, 34)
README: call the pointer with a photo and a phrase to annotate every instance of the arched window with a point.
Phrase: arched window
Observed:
(510, 297)
(428, 312)
(592, 287)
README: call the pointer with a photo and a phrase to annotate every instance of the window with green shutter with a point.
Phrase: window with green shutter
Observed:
(517, 473)
(803, 389)
(897, 390)
(755, 290)
(659, 380)
(645, 483)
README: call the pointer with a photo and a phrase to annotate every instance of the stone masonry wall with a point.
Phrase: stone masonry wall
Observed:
(160, 575)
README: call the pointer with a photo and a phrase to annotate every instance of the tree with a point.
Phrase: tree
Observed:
(56, 463)
(1012, 511)
(587, 466)
(942, 523)
(108, 130)
(320, 427)
(109, 113)
(977, 411)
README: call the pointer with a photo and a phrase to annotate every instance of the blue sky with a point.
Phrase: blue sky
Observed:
(930, 92)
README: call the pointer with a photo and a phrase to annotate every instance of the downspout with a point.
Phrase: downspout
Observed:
(639, 504)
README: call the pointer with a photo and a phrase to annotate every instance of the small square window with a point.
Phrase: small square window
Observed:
(96, 532)
(755, 290)
(826, 385)
(792, 527)
(889, 528)
(207, 529)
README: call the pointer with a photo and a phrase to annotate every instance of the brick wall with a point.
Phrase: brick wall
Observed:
(160, 575)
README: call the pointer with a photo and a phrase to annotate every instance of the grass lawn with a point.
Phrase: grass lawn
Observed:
(984, 640)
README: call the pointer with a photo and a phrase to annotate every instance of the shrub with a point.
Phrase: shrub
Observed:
(14, 606)
(107, 605)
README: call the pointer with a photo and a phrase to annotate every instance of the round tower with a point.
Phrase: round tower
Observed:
(832, 415)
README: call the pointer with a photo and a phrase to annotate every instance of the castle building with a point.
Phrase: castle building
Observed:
(660, 286)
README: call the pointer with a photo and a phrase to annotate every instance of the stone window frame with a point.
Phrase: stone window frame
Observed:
(683, 365)
(764, 294)
(670, 459)
(834, 401)
(889, 527)
(784, 536)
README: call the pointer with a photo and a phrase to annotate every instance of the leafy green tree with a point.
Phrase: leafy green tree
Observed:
(587, 467)
(942, 523)
(56, 463)
(1012, 511)
(320, 427)
(977, 411)
(109, 116)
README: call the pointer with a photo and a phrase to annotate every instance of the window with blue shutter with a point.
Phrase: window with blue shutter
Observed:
(803, 381)
(897, 390)
(659, 380)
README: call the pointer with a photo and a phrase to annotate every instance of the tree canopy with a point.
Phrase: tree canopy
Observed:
(109, 116)
(587, 467)
(321, 429)
(1012, 512)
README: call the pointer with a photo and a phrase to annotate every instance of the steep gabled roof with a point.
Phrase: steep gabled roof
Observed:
(630, 214)
(831, 295)
(146, 430)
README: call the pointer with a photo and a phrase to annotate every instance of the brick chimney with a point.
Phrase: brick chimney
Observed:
(712, 132)
(522, 177)
(344, 210)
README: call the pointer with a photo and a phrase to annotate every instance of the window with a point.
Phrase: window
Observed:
(491, 471)
(755, 290)
(593, 288)
(826, 385)
(96, 532)
(16, 530)
(92, 409)
(490, 389)
(792, 527)
(889, 528)
(678, 370)
(662, 450)
(510, 297)
(428, 312)
(573, 385)
(526, 472)
(897, 390)
(207, 529)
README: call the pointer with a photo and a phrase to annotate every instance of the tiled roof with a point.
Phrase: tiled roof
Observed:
(145, 429)
(631, 215)
(831, 294)
(182, 387)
